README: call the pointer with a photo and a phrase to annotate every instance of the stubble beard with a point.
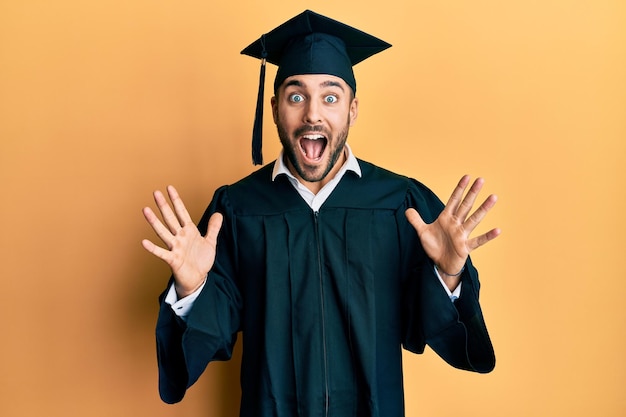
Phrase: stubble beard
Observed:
(312, 174)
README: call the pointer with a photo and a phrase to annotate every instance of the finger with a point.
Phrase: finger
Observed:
(181, 211)
(480, 213)
(457, 194)
(162, 232)
(415, 219)
(213, 229)
(168, 215)
(157, 251)
(484, 238)
(468, 202)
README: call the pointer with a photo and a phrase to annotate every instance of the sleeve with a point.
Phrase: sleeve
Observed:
(452, 294)
(185, 347)
(455, 331)
(182, 306)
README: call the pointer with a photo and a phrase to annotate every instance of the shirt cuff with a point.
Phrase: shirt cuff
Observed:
(454, 295)
(183, 306)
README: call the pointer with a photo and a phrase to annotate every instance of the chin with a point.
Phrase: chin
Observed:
(312, 174)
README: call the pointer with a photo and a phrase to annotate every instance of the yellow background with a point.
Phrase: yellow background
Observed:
(101, 102)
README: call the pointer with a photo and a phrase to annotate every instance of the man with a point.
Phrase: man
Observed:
(326, 264)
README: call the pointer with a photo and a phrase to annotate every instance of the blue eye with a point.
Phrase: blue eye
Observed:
(296, 98)
(330, 99)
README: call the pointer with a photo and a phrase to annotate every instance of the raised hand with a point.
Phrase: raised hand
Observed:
(189, 254)
(447, 240)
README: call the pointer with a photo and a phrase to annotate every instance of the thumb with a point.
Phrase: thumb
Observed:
(415, 219)
(214, 226)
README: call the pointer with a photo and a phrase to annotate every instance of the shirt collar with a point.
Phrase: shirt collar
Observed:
(351, 164)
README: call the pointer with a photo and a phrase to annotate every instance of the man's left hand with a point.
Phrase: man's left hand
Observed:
(447, 240)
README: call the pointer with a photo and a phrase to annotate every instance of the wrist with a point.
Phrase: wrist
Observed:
(183, 292)
(446, 274)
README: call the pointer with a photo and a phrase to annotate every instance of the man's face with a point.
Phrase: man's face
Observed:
(313, 114)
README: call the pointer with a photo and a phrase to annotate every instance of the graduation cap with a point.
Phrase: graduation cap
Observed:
(308, 43)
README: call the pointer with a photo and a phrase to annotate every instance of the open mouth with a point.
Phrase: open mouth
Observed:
(313, 146)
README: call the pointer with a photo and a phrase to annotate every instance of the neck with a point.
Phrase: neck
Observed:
(316, 186)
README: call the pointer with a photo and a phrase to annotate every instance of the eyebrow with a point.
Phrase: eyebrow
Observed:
(296, 83)
(328, 83)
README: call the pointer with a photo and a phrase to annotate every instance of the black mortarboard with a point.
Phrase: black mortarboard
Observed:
(308, 43)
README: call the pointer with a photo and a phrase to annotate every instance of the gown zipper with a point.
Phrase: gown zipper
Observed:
(323, 314)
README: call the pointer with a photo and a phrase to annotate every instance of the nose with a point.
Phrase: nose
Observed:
(312, 114)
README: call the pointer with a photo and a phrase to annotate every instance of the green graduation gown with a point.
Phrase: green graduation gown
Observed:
(324, 300)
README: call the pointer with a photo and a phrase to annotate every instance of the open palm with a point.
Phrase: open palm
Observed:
(447, 240)
(189, 254)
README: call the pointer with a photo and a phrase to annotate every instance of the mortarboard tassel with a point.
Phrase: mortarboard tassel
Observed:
(257, 130)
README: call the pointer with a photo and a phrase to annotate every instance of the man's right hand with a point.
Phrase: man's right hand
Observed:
(189, 254)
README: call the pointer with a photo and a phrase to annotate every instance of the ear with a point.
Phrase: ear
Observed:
(274, 102)
(354, 110)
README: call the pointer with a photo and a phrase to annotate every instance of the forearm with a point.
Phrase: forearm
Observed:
(451, 284)
(451, 281)
(182, 305)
